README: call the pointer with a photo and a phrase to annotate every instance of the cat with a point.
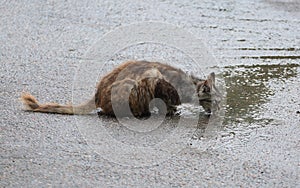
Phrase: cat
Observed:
(132, 85)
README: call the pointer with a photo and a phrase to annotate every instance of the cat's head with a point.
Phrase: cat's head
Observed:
(208, 95)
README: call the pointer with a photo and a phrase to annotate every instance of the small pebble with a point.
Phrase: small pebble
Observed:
(298, 112)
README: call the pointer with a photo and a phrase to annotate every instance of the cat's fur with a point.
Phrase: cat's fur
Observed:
(136, 83)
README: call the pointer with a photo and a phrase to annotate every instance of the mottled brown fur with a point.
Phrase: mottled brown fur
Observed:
(132, 85)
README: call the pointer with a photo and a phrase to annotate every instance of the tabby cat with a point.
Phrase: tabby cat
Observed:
(132, 85)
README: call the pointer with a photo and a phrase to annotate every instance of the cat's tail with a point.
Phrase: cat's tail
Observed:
(31, 104)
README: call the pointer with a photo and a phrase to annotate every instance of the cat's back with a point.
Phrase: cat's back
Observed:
(135, 70)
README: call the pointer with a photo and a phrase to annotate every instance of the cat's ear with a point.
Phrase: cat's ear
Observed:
(210, 81)
(211, 78)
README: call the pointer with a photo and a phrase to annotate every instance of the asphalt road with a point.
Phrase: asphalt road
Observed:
(256, 44)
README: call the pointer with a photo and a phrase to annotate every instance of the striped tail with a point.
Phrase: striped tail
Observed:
(31, 104)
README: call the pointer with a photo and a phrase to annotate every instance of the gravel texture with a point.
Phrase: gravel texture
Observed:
(42, 43)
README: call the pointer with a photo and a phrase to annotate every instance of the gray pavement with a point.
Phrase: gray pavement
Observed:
(257, 45)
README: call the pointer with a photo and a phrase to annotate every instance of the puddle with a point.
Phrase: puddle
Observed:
(272, 49)
(249, 88)
(257, 96)
(272, 57)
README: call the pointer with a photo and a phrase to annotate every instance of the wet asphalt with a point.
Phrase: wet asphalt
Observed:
(256, 45)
